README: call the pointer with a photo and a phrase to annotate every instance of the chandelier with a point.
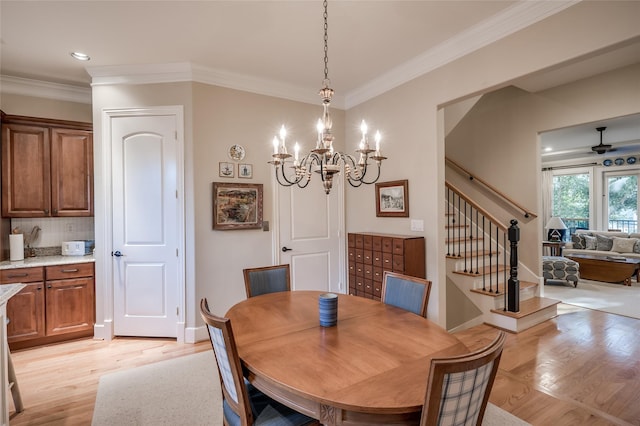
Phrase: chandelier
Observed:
(323, 159)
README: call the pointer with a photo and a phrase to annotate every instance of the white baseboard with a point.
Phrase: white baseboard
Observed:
(195, 334)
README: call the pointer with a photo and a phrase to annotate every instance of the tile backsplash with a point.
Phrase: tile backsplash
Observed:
(55, 230)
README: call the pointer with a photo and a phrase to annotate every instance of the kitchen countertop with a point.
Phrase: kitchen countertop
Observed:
(29, 262)
(9, 290)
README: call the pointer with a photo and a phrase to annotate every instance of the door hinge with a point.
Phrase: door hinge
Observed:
(177, 253)
(177, 310)
(176, 194)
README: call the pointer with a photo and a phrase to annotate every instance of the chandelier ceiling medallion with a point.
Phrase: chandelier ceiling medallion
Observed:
(323, 159)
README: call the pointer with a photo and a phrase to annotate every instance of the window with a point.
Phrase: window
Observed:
(571, 198)
(621, 190)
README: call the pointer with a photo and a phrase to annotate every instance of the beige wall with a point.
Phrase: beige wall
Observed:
(415, 129)
(223, 117)
(45, 108)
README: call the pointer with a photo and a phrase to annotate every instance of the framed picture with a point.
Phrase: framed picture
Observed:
(226, 169)
(237, 206)
(392, 199)
(245, 171)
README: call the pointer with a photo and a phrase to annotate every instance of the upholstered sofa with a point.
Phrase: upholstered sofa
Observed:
(604, 243)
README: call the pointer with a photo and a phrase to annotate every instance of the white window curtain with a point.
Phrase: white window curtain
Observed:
(547, 197)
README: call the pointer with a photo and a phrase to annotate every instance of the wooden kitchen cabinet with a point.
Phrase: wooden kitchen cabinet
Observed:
(369, 255)
(57, 304)
(70, 299)
(47, 168)
(25, 310)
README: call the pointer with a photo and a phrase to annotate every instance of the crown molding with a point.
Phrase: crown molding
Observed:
(140, 74)
(42, 89)
(509, 21)
(186, 71)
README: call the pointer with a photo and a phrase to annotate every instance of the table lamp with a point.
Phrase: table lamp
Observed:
(556, 229)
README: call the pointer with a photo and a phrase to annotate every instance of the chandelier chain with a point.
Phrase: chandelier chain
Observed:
(326, 42)
(323, 160)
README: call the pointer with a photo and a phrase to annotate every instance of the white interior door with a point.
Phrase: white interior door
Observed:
(146, 229)
(311, 226)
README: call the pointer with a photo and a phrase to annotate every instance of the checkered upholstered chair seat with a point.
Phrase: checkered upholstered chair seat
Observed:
(458, 388)
(242, 403)
(267, 279)
(406, 292)
(560, 268)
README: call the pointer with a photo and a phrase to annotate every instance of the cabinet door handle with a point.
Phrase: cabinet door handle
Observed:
(49, 286)
(69, 270)
(39, 288)
(18, 275)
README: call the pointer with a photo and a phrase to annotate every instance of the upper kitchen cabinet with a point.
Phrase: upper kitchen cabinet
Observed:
(47, 167)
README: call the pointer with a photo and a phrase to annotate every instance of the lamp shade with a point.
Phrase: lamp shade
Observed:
(556, 223)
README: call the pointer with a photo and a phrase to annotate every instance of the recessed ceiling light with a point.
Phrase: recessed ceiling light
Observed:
(80, 56)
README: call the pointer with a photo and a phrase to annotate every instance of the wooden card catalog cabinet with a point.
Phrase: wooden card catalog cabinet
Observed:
(369, 255)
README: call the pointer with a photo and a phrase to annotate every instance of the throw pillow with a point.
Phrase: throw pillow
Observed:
(579, 241)
(623, 245)
(603, 243)
(636, 246)
(590, 243)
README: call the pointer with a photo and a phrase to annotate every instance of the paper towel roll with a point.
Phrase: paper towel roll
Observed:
(16, 247)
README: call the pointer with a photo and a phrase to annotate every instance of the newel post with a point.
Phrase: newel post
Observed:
(513, 303)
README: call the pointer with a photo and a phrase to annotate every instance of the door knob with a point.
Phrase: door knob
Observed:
(285, 249)
(116, 253)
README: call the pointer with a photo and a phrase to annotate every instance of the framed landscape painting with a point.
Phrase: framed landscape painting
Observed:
(237, 206)
(392, 199)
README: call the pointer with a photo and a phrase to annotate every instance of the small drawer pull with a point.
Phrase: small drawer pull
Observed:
(18, 275)
(69, 270)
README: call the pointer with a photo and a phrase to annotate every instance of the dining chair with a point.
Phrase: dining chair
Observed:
(242, 403)
(266, 279)
(458, 387)
(406, 292)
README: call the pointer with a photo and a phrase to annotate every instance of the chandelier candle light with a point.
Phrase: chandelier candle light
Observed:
(323, 159)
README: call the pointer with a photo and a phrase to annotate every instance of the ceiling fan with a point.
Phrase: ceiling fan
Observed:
(602, 148)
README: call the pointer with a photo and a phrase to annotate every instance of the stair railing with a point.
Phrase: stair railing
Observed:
(498, 193)
(478, 238)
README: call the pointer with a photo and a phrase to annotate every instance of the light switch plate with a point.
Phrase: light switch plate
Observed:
(417, 225)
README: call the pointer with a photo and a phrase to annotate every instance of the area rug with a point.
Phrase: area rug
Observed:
(186, 391)
(607, 297)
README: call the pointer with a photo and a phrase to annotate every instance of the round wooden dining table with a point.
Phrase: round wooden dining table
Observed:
(371, 368)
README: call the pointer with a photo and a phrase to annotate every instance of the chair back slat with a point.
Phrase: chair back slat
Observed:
(458, 387)
(220, 350)
(269, 279)
(406, 292)
(462, 395)
(234, 392)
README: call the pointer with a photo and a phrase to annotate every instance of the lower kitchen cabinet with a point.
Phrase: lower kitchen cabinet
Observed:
(58, 304)
(25, 310)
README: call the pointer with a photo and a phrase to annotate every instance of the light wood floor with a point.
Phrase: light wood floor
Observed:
(581, 368)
